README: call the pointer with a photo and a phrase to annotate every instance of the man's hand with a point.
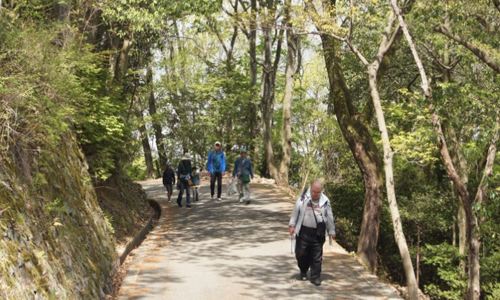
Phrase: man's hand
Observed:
(333, 236)
(291, 229)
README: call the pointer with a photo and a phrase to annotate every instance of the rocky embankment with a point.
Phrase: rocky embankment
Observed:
(57, 235)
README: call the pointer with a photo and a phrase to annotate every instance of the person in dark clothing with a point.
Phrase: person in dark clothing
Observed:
(311, 220)
(169, 180)
(183, 175)
(216, 165)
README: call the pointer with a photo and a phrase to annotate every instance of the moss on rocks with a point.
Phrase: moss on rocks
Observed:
(54, 237)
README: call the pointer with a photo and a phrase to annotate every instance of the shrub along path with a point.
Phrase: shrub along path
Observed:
(229, 250)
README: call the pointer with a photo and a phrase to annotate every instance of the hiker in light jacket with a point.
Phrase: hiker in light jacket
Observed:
(311, 220)
(216, 165)
(243, 172)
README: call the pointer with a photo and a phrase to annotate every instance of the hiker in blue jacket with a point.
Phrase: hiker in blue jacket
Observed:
(243, 172)
(216, 165)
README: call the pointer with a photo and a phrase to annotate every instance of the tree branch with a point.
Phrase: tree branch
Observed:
(357, 52)
(486, 24)
(476, 51)
(488, 170)
(425, 83)
(387, 43)
(497, 4)
(212, 24)
(278, 50)
(245, 8)
(441, 64)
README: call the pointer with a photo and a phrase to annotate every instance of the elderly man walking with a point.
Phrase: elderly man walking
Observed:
(312, 220)
(243, 171)
(216, 165)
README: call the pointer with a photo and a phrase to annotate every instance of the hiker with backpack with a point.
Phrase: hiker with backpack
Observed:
(216, 165)
(243, 172)
(183, 179)
(312, 220)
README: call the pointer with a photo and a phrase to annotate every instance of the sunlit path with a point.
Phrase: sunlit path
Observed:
(232, 251)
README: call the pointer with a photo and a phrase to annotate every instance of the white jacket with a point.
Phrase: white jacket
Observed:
(299, 211)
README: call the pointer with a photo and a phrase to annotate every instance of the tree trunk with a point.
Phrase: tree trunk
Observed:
(180, 49)
(267, 96)
(252, 52)
(459, 161)
(113, 57)
(123, 59)
(419, 233)
(473, 285)
(357, 132)
(286, 132)
(252, 43)
(269, 70)
(473, 288)
(389, 182)
(389, 37)
(481, 195)
(154, 116)
(144, 139)
(358, 135)
(62, 11)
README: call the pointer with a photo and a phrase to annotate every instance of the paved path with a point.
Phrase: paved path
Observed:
(227, 250)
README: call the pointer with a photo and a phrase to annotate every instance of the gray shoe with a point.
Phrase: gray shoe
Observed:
(316, 282)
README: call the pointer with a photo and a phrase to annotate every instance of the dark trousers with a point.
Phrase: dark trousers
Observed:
(170, 189)
(309, 251)
(218, 176)
(184, 186)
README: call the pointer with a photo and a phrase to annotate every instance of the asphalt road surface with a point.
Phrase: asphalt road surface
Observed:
(229, 250)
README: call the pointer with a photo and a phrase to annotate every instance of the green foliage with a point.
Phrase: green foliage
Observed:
(448, 283)
(51, 86)
(109, 221)
(55, 206)
(347, 206)
(64, 89)
(136, 170)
